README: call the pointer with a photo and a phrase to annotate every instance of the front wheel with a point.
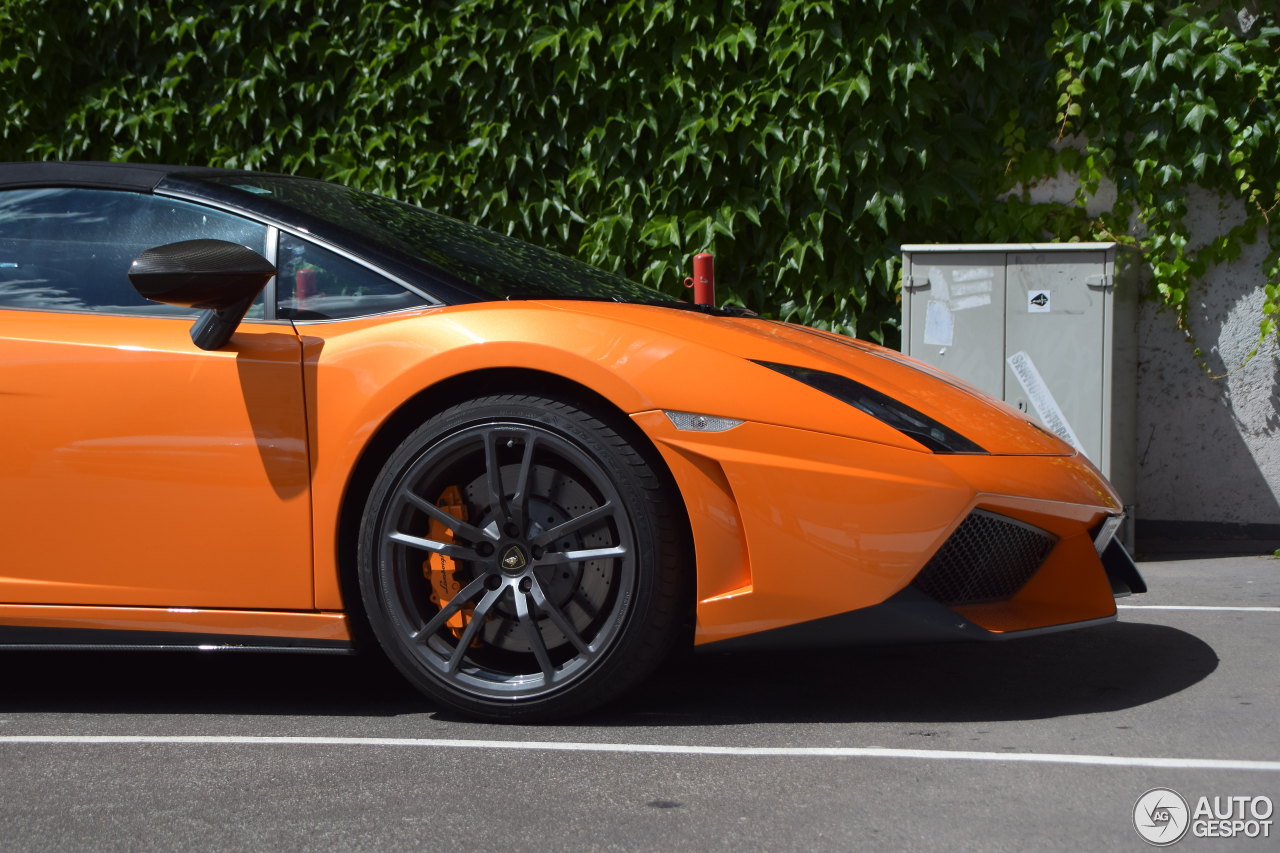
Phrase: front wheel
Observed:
(520, 560)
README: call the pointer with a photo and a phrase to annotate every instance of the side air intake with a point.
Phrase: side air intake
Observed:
(988, 558)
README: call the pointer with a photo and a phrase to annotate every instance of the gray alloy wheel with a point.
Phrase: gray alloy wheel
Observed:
(519, 561)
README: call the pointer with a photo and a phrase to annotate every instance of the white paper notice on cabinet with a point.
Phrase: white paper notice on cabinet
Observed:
(939, 325)
(1042, 400)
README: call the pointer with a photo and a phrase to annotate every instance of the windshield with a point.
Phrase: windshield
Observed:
(501, 266)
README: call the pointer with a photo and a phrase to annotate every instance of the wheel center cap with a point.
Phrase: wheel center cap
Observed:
(514, 559)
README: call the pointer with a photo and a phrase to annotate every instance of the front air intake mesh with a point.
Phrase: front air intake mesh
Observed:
(988, 558)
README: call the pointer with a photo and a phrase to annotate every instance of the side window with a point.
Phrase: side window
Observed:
(70, 249)
(316, 284)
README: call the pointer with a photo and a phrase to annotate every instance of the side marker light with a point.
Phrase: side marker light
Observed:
(691, 422)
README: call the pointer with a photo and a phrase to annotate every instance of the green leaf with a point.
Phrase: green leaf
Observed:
(542, 39)
(862, 83)
(1196, 116)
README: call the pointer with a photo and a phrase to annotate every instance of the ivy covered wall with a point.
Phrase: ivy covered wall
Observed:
(801, 141)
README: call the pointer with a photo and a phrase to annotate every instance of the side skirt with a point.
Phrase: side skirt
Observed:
(84, 627)
(82, 639)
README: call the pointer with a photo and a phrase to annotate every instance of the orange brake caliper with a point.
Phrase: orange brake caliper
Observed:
(439, 569)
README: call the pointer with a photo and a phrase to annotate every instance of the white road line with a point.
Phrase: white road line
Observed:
(1196, 607)
(663, 749)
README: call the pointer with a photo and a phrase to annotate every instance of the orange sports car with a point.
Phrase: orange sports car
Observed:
(246, 411)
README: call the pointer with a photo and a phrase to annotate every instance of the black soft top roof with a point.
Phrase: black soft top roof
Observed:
(139, 177)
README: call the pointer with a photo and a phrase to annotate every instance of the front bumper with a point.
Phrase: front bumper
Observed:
(912, 616)
(798, 533)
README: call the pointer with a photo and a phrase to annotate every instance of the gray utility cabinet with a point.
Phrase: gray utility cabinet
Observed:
(1047, 327)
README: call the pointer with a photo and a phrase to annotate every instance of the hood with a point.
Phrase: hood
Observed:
(991, 423)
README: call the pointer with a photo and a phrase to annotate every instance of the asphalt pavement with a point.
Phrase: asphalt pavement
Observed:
(1047, 743)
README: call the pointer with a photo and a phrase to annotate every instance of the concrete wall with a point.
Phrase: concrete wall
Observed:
(1208, 449)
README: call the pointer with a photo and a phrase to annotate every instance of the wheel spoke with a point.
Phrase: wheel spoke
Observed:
(468, 634)
(558, 619)
(457, 525)
(523, 483)
(556, 558)
(447, 549)
(575, 524)
(538, 645)
(493, 475)
(455, 604)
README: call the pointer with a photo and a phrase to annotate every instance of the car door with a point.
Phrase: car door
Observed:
(135, 468)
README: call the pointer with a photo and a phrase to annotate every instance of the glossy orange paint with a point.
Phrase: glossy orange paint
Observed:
(830, 524)
(1069, 587)
(359, 372)
(809, 509)
(242, 460)
(140, 470)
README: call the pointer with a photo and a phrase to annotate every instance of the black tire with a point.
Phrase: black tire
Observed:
(559, 590)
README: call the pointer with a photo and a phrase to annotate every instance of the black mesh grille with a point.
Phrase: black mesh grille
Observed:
(988, 558)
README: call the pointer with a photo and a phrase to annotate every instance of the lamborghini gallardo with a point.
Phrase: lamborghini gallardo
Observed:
(251, 411)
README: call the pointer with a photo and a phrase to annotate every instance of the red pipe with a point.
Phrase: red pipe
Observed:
(703, 281)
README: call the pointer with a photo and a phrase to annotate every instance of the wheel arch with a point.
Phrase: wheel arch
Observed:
(448, 392)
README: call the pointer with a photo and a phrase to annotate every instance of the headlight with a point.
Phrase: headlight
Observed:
(903, 418)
